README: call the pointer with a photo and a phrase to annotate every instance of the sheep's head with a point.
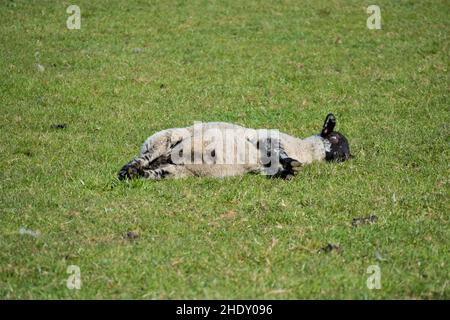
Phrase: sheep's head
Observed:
(338, 148)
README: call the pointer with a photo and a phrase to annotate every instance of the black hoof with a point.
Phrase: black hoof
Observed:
(289, 163)
(284, 174)
(129, 171)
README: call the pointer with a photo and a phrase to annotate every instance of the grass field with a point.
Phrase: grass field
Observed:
(135, 68)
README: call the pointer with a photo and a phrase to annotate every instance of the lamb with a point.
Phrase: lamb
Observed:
(220, 149)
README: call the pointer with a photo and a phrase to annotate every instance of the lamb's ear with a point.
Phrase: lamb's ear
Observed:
(329, 124)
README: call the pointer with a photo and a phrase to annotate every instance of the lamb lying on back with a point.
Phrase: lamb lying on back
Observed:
(220, 149)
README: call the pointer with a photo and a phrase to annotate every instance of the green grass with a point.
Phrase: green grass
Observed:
(273, 64)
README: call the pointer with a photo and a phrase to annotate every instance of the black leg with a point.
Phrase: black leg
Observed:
(289, 163)
(283, 174)
(130, 171)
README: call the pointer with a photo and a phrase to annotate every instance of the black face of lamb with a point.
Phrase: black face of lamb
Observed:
(339, 149)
